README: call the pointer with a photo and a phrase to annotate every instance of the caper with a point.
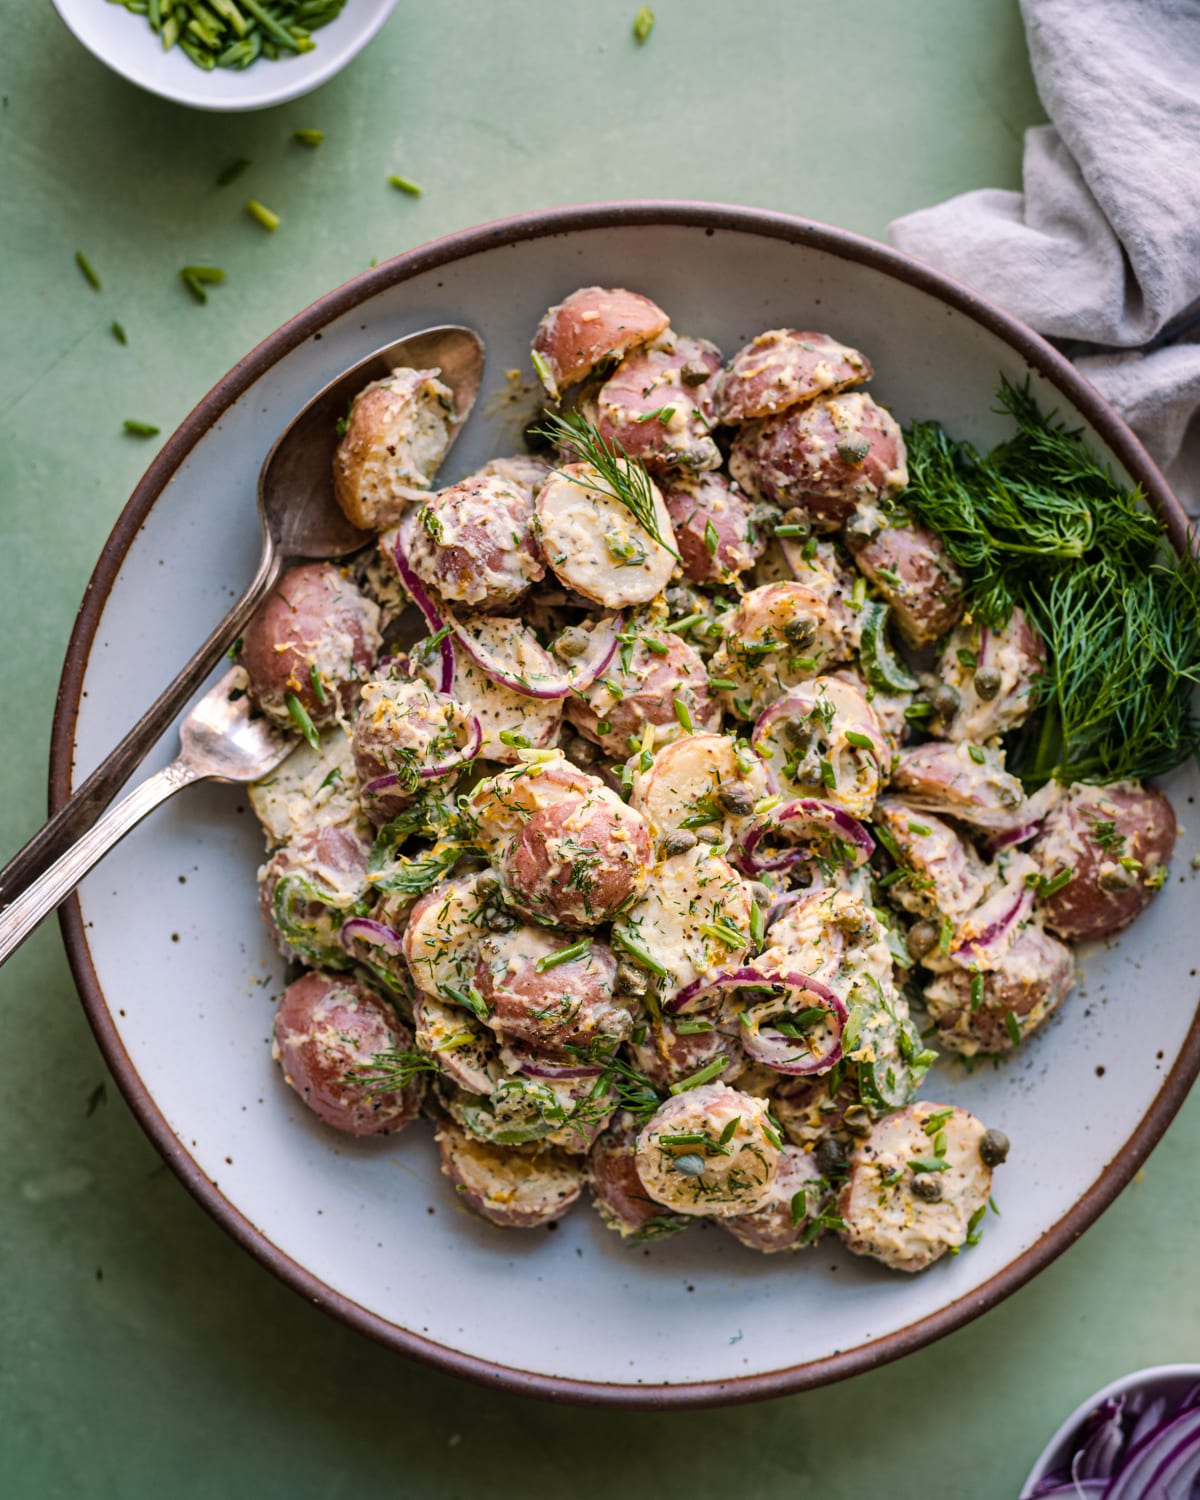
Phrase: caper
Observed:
(709, 835)
(580, 751)
(487, 886)
(678, 841)
(762, 895)
(987, 683)
(572, 643)
(945, 701)
(852, 450)
(862, 526)
(690, 1165)
(927, 1187)
(630, 980)
(737, 798)
(499, 920)
(922, 938)
(797, 733)
(829, 1157)
(1116, 878)
(993, 1148)
(800, 633)
(695, 372)
(857, 1120)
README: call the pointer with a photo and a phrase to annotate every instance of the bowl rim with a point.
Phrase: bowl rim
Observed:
(287, 89)
(538, 224)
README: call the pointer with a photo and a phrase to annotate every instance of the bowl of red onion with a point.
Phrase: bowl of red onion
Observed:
(1137, 1439)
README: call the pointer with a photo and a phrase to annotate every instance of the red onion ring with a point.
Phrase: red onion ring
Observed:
(819, 822)
(1013, 837)
(421, 598)
(601, 650)
(799, 702)
(429, 773)
(1000, 914)
(765, 1044)
(378, 933)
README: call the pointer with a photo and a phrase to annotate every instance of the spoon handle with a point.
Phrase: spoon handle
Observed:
(91, 797)
(49, 890)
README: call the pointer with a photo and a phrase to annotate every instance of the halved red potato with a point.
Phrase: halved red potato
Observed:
(902, 1209)
(314, 639)
(614, 711)
(498, 709)
(501, 804)
(336, 1042)
(833, 935)
(687, 921)
(441, 939)
(780, 635)
(618, 1193)
(658, 404)
(577, 862)
(831, 457)
(589, 326)
(667, 1055)
(712, 527)
(783, 368)
(993, 675)
(1008, 1002)
(702, 781)
(473, 543)
(1117, 842)
(526, 471)
(798, 1193)
(462, 1046)
(813, 1110)
(307, 888)
(709, 1151)
(962, 781)
(396, 436)
(912, 570)
(406, 736)
(596, 546)
(822, 739)
(546, 1005)
(514, 1187)
(942, 876)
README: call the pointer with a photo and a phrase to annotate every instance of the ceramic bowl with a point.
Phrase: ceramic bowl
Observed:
(1172, 1381)
(178, 976)
(127, 45)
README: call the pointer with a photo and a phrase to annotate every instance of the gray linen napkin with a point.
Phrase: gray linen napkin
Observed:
(1101, 251)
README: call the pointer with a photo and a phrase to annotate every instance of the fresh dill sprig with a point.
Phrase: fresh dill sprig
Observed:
(391, 1071)
(1042, 524)
(623, 479)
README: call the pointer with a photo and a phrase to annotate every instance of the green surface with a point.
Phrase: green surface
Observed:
(141, 1353)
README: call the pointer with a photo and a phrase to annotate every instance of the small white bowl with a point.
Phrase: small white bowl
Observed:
(126, 43)
(1164, 1379)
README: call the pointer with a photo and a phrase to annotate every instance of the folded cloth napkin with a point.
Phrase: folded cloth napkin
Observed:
(1101, 252)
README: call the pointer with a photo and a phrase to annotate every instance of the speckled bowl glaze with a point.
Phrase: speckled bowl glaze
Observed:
(178, 976)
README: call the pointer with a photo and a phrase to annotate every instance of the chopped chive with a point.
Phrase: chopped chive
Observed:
(711, 540)
(920, 1164)
(722, 684)
(564, 955)
(727, 1134)
(308, 137)
(827, 775)
(917, 713)
(799, 1205)
(1046, 888)
(406, 185)
(274, 30)
(790, 530)
(118, 332)
(196, 278)
(636, 951)
(330, 778)
(937, 1119)
(921, 830)
(967, 659)
(684, 1138)
(758, 925)
(1013, 1027)
(89, 271)
(703, 1076)
(541, 369)
(233, 171)
(603, 726)
(685, 624)
(689, 1027)
(514, 738)
(655, 648)
(861, 742)
(684, 717)
(265, 217)
(140, 429)
(643, 24)
(976, 754)
(945, 934)
(724, 932)
(299, 717)
(318, 687)
(470, 999)
(976, 990)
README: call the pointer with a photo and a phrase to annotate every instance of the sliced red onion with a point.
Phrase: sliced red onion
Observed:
(998, 920)
(763, 1042)
(440, 768)
(423, 600)
(1086, 1489)
(780, 904)
(1165, 1462)
(538, 1068)
(1012, 838)
(374, 934)
(602, 647)
(552, 683)
(799, 703)
(806, 819)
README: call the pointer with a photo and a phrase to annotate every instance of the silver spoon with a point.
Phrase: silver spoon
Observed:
(301, 522)
(223, 739)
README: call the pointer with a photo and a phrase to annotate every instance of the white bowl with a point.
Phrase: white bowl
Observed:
(126, 43)
(1170, 1380)
(177, 973)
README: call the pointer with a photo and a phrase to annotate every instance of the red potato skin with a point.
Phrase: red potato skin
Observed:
(335, 847)
(309, 607)
(927, 601)
(620, 1195)
(771, 1229)
(489, 519)
(451, 1139)
(649, 380)
(1083, 910)
(1009, 988)
(650, 688)
(327, 1027)
(591, 325)
(576, 864)
(666, 1055)
(568, 1005)
(386, 744)
(710, 500)
(785, 367)
(792, 459)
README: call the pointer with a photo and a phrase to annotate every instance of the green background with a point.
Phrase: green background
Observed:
(140, 1352)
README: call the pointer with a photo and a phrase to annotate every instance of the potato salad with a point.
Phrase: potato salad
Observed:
(651, 827)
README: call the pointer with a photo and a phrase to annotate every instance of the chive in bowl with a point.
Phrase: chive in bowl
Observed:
(125, 42)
